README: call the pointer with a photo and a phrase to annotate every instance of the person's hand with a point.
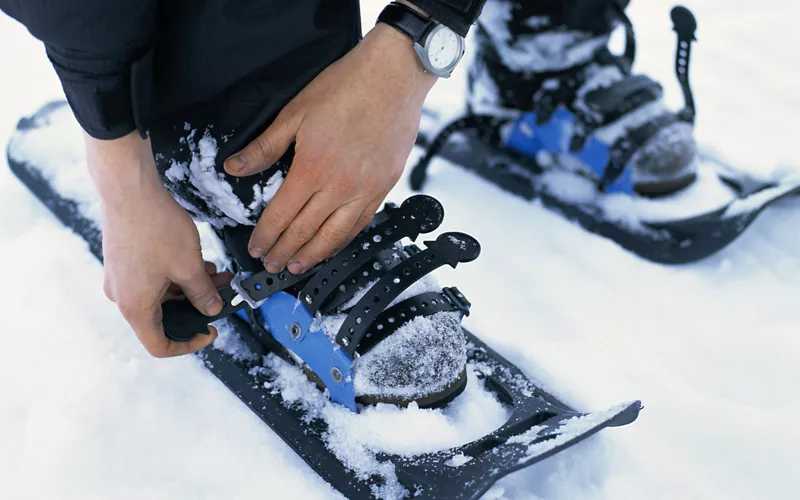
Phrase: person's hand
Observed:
(151, 248)
(354, 127)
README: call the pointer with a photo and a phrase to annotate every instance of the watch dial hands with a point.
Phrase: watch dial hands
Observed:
(443, 49)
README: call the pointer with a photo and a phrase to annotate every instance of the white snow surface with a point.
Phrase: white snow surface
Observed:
(711, 348)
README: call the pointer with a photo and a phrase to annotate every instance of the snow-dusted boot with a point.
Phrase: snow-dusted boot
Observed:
(544, 89)
(551, 58)
(368, 325)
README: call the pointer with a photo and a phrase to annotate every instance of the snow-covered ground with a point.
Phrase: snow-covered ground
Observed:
(711, 348)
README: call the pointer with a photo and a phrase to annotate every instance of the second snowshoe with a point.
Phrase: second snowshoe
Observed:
(554, 115)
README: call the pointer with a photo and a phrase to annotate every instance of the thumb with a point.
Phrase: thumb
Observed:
(265, 150)
(202, 293)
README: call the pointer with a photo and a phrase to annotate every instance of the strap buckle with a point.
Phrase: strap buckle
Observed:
(458, 299)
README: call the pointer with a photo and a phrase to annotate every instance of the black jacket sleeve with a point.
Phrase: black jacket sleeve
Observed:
(457, 15)
(102, 52)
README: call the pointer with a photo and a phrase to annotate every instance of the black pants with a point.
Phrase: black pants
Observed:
(229, 120)
(274, 62)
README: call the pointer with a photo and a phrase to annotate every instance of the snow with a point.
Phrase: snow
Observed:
(356, 439)
(711, 348)
(209, 184)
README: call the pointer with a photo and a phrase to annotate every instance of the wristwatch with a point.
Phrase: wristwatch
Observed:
(438, 47)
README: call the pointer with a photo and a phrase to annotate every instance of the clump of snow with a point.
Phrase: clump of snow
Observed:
(458, 460)
(230, 342)
(548, 50)
(208, 183)
(264, 194)
(567, 431)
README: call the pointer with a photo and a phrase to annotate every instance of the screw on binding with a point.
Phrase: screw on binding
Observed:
(295, 331)
(685, 25)
(336, 374)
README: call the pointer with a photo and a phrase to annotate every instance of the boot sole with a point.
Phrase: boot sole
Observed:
(664, 188)
(435, 400)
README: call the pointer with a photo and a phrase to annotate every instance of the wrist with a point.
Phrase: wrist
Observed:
(396, 50)
(121, 169)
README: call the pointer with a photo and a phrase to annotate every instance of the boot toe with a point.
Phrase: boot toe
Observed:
(667, 162)
(423, 361)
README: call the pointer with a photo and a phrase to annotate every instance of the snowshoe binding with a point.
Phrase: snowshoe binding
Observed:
(366, 326)
(554, 115)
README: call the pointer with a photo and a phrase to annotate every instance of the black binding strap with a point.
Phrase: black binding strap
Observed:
(622, 97)
(261, 285)
(418, 214)
(424, 304)
(449, 248)
(624, 148)
(363, 277)
(487, 127)
(182, 321)
(685, 25)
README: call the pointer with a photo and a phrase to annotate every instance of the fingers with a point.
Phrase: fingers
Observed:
(282, 211)
(201, 292)
(145, 319)
(301, 230)
(337, 231)
(266, 149)
(220, 280)
(159, 346)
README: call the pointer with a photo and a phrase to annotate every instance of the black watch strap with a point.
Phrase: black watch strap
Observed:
(407, 20)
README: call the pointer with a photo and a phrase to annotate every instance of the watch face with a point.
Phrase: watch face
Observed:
(443, 48)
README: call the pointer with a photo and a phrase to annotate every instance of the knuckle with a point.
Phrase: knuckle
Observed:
(128, 308)
(186, 271)
(155, 350)
(108, 293)
(274, 219)
(265, 147)
(333, 234)
(343, 185)
(365, 219)
(197, 295)
(302, 232)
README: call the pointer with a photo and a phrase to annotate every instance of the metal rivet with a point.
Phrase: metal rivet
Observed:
(295, 331)
(337, 375)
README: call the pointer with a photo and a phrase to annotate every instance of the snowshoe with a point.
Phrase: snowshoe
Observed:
(554, 116)
(326, 323)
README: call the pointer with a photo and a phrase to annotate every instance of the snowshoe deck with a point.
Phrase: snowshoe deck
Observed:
(539, 426)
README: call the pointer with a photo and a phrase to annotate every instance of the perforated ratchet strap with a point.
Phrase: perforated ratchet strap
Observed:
(624, 148)
(425, 304)
(487, 127)
(606, 105)
(448, 249)
(418, 214)
(685, 26)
